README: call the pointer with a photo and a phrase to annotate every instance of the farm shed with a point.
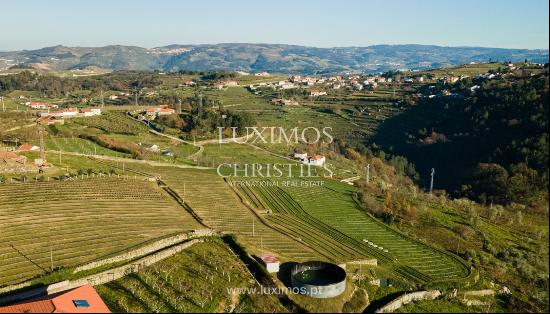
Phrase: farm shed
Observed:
(271, 263)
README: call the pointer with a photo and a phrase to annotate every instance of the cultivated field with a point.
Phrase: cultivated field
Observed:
(71, 222)
(329, 219)
(209, 196)
(193, 281)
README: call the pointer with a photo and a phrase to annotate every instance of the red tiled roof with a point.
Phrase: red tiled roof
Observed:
(25, 147)
(8, 155)
(62, 302)
(44, 306)
(269, 258)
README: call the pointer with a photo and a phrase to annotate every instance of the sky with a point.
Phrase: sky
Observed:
(32, 24)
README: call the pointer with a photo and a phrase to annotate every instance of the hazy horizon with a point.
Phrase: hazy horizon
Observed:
(495, 24)
(268, 43)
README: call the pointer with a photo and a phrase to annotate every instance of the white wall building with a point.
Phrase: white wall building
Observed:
(271, 263)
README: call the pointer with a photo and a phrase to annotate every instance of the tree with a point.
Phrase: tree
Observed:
(491, 180)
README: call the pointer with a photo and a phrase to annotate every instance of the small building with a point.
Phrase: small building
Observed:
(150, 147)
(67, 112)
(88, 112)
(159, 111)
(151, 111)
(271, 263)
(28, 148)
(166, 111)
(11, 156)
(83, 299)
(317, 160)
(50, 120)
(37, 105)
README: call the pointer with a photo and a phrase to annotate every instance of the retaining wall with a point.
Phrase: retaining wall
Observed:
(147, 249)
(99, 278)
(407, 298)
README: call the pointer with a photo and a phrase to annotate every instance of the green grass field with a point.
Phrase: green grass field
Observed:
(79, 145)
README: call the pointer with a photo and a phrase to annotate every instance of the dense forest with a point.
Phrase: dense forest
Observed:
(491, 146)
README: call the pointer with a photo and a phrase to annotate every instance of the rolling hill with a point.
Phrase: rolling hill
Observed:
(261, 57)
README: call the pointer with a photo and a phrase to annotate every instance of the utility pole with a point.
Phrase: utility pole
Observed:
(102, 100)
(42, 151)
(432, 180)
(136, 96)
(3, 105)
(368, 173)
(51, 256)
(253, 230)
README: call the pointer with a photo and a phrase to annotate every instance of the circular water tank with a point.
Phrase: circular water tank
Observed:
(319, 279)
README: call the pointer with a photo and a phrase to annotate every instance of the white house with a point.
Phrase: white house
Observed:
(271, 263)
(317, 160)
(159, 111)
(88, 112)
(66, 112)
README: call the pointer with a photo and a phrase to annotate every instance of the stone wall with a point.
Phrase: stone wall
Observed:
(407, 298)
(368, 262)
(479, 293)
(146, 249)
(99, 278)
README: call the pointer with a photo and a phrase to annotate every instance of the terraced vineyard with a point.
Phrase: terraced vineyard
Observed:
(305, 223)
(73, 222)
(369, 120)
(210, 197)
(288, 216)
(193, 281)
(328, 218)
(413, 259)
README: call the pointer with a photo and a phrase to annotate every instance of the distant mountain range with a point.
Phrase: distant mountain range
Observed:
(262, 57)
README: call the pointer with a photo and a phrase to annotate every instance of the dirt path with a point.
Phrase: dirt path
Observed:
(20, 127)
(122, 159)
